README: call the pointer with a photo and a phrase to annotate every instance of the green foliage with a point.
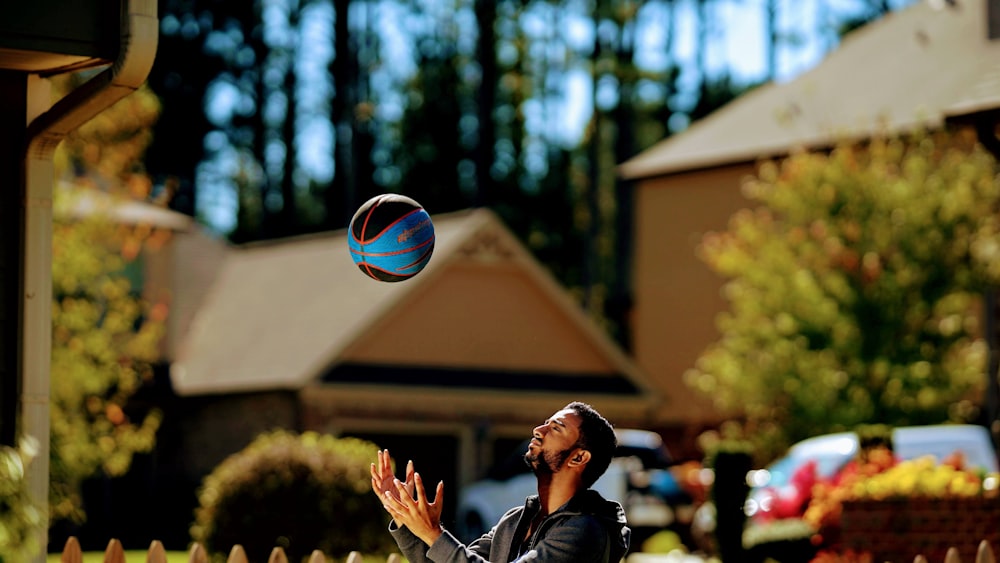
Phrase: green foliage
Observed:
(784, 530)
(854, 289)
(105, 338)
(787, 540)
(20, 519)
(664, 541)
(300, 492)
(104, 341)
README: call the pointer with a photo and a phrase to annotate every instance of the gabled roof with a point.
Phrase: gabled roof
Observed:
(84, 202)
(915, 67)
(286, 314)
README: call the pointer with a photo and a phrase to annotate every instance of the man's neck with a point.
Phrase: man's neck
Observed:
(555, 490)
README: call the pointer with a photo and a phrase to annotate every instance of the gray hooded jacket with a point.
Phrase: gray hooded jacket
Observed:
(587, 529)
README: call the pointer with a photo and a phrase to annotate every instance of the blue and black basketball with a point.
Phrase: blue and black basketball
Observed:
(392, 238)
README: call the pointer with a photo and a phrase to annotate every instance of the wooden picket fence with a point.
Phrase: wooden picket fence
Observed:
(115, 553)
(984, 554)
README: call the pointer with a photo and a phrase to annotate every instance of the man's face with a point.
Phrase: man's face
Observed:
(553, 442)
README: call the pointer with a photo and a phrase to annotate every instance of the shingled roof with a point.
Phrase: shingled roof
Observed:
(286, 314)
(915, 67)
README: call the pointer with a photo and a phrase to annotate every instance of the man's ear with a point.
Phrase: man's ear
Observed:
(579, 458)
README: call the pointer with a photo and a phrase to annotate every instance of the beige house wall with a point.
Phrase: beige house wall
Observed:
(215, 427)
(677, 297)
(481, 316)
(194, 258)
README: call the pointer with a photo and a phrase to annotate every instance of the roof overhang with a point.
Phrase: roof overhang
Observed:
(40, 38)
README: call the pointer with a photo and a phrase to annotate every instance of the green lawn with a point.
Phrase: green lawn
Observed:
(139, 556)
(131, 556)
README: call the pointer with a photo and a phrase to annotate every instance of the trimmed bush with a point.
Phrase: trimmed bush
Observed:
(299, 492)
(784, 541)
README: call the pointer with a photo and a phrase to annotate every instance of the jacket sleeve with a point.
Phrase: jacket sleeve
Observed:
(447, 548)
(581, 539)
(413, 548)
(444, 549)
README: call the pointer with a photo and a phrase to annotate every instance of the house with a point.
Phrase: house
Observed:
(451, 368)
(479, 347)
(933, 64)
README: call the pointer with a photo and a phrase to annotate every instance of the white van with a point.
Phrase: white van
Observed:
(832, 451)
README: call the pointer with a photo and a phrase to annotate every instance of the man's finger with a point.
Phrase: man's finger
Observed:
(391, 505)
(439, 493)
(419, 486)
(403, 494)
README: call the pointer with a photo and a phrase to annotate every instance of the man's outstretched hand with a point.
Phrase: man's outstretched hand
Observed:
(384, 482)
(422, 517)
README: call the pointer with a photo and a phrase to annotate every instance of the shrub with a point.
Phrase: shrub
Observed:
(788, 540)
(299, 492)
(20, 518)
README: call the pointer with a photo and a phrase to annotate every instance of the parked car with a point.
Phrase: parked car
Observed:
(782, 490)
(639, 477)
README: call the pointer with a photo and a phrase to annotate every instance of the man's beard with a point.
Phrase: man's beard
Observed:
(547, 462)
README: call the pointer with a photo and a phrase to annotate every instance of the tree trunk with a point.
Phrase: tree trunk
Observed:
(340, 196)
(486, 15)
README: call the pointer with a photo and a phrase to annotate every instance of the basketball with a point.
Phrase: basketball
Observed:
(391, 238)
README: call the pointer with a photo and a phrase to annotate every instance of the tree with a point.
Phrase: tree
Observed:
(854, 289)
(431, 146)
(179, 148)
(104, 337)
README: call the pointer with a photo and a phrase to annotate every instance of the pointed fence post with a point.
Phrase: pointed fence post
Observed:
(114, 553)
(920, 559)
(394, 558)
(71, 552)
(197, 554)
(156, 553)
(317, 557)
(354, 557)
(237, 555)
(952, 556)
(277, 556)
(985, 553)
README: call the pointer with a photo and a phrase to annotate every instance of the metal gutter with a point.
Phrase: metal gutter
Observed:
(139, 37)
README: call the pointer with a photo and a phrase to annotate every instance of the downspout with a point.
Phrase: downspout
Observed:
(139, 36)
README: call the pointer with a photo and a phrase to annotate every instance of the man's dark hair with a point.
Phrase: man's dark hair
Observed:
(597, 436)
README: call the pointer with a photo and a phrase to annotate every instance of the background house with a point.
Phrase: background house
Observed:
(934, 64)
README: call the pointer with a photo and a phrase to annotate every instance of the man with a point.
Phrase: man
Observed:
(565, 522)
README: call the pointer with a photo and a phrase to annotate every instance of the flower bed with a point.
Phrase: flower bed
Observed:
(900, 529)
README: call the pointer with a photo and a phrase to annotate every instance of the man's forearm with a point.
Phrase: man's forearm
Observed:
(413, 548)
